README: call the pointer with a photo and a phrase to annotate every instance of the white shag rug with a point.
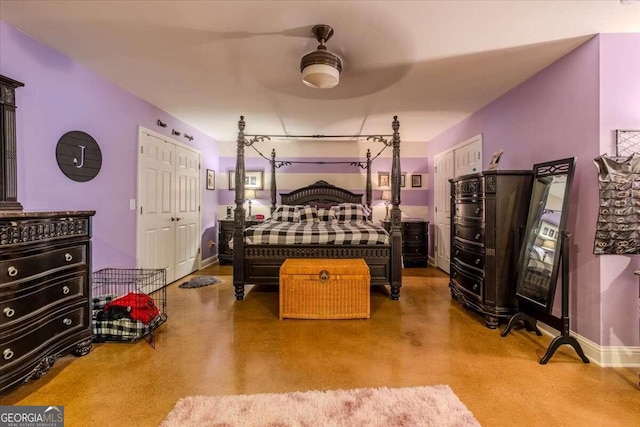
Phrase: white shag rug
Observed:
(388, 407)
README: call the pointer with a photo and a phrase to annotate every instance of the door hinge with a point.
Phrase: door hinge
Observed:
(140, 210)
(142, 149)
(198, 208)
(436, 209)
(435, 169)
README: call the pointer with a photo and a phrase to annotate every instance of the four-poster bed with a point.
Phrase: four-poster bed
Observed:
(258, 263)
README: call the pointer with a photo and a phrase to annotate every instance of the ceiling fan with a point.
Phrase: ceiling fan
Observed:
(321, 68)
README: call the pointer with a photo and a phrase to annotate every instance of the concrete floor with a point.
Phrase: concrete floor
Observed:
(213, 345)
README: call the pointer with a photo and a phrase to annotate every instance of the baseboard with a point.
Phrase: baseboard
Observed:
(432, 261)
(207, 262)
(606, 357)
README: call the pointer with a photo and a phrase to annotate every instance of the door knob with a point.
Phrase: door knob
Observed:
(178, 219)
(173, 219)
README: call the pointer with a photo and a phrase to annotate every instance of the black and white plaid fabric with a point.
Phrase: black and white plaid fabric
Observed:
(123, 329)
(349, 212)
(326, 214)
(307, 213)
(316, 233)
(285, 213)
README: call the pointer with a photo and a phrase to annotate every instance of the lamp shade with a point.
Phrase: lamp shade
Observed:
(249, 194)
(386, 195)
(320, 76)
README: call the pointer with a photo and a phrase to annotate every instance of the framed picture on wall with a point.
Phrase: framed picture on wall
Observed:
(383, 179)
(253, 180)
(416, 180)
(211, 180)
(403, 179)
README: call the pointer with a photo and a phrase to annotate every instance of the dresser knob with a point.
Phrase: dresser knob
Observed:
(67, 321)
(12, 271)
(477, 210)
(475, 287)
(477, 261)
(65, 290)
(9, 312)
(7, 354)
(68, 257)
(457, 251)
(477, 236)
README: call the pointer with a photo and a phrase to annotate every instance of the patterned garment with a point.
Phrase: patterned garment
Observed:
(316, 233)
(618, 227)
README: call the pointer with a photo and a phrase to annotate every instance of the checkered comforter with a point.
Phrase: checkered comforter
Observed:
(316, 233)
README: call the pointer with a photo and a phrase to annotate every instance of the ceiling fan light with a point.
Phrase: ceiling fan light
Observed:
(320, 76)
(321, 69)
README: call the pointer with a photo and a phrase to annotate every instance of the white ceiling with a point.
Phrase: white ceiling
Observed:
(432, 63)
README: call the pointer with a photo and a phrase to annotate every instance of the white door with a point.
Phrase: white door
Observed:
(463, 159)
(444, 171)
(187, 211)
(168, 226)
(469, 157)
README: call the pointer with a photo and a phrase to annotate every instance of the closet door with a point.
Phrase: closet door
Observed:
(156, 194)
(168, 206)
(187, 211)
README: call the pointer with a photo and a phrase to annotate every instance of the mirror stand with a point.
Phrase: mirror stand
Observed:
(530, 314)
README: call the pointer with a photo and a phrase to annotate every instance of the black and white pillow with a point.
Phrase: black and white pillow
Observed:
(285, 214)
(326, 214)
(349, 212)
(307, 214)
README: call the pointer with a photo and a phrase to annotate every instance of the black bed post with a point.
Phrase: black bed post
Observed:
(396, 217)
(273, 180)
(368, 189)
(238, 216)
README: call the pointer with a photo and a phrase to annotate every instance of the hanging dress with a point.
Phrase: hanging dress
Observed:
(618, 228)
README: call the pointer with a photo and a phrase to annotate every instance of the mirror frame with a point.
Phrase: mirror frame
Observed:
(562, 167)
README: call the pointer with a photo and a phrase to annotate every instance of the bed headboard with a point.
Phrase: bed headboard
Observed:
(320, 194)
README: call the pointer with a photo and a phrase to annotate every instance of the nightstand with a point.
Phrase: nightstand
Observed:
(415, 240)
(225, 233)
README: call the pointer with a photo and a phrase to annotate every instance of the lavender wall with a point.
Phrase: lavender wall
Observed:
(60, 96)
(553, 115)
(619, 109)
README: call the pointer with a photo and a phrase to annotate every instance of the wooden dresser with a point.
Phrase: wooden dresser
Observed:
(45, 291)
(488, 216)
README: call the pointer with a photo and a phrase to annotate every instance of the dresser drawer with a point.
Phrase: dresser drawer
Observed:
(29, 300)
(21, 268)
(468, 256)
(469, 187)
(468, 233)
(467, 280)
(24, 343)
(473, 209)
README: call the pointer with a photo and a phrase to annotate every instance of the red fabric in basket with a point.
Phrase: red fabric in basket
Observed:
(140, 306)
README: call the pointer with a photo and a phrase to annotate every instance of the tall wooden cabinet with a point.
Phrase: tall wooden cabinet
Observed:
(45, 310)
(488, 216)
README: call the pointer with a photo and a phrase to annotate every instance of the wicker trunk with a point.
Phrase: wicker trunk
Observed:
(324, 289)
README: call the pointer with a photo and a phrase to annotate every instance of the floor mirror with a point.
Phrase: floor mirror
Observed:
(544, 257)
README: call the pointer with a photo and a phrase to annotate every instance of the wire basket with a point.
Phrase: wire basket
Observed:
(128, 304)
